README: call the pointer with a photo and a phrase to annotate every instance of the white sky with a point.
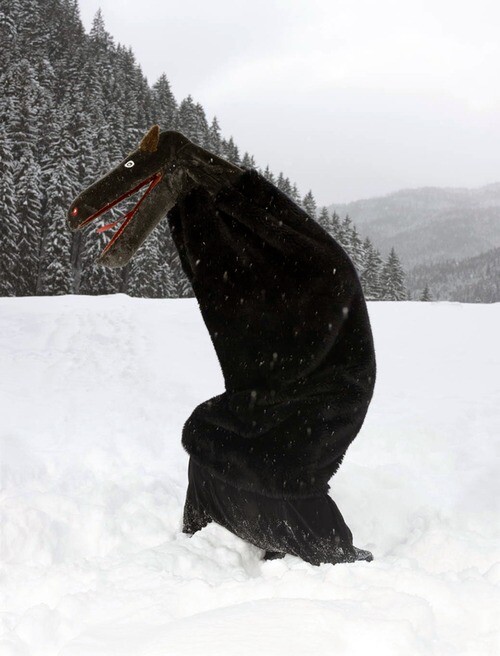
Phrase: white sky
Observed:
(351, 98)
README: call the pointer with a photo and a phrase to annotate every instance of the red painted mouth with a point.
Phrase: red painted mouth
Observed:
(152, 181)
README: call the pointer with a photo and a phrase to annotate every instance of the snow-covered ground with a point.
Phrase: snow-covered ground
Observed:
(94, 393)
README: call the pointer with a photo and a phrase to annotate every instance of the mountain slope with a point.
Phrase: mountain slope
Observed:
(430, 224)
(473, 280)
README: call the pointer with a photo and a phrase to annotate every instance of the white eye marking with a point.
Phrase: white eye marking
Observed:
(129, 164)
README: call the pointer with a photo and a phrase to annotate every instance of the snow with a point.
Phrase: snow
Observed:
(93, 397)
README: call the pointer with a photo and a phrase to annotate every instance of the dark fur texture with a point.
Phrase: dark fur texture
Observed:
(285, 310)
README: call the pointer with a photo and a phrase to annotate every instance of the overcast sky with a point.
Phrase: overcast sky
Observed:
(349, 98)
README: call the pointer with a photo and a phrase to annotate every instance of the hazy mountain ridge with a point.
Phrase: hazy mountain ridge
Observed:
(472, 280)
(430, 224)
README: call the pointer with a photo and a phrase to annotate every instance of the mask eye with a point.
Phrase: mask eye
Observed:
(129, 164)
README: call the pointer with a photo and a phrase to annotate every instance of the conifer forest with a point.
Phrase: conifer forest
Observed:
(72, 105)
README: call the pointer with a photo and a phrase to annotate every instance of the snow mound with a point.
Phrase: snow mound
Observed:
(93, 397)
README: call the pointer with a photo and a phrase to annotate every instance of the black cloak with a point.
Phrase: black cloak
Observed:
(286, 314)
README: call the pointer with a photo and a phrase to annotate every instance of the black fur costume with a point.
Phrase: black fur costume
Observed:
(286, 314)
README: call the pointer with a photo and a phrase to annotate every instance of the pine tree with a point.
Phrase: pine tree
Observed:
(33, 36)
(101, 42)
(81, 134)
(192, 122)
(345, 233)
(334, 226)
(230, 151)
(164, 103)
(187, 119)
(25, 104)
(393, 279)
(330, 222)
(371, 274)
(202, 129)
(29, 205)
(60, 175)
(95, 278)
(324, 218)
(268, 174)
(295, 195)
(167, 282)
(9, 38)
(248, 161)
(309, 205)
(144, 280)
(66, 48)
(214, 138)
(426, 294)
(108, 99)
(9, 223)
(174, 282)
(23, 132)
(146, 111)
(127, 117)
(283, 184)
(357, 250)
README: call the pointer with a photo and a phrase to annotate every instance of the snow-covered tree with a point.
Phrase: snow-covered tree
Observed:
(393, 279)
(214, 137)
(334, 225)
(29, 205)
(173, 281)
(144, 279)
(295, 195)
(426, 294)
(330, 222)
(309, 204)
(357, 251)
(126, 109)
(230, 151)
(324, 218)
(9, 38)
(269, 175)
(345, 232)
(192, 122)
(371, 273)
(164, 103)
(60, 175)
(9, 220)
(283, 184)
(23, 131)
(248, 161)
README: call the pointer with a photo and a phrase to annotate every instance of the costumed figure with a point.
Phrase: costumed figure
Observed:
(285, 311)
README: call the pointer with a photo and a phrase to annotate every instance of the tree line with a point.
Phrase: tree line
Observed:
(72, 105)
(470, 280)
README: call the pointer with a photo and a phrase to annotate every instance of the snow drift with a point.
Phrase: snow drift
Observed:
(94, 393)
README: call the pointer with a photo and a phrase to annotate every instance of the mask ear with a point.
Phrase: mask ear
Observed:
(149, 141)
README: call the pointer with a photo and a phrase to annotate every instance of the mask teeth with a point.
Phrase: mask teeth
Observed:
(128, 217)
(106, 208)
